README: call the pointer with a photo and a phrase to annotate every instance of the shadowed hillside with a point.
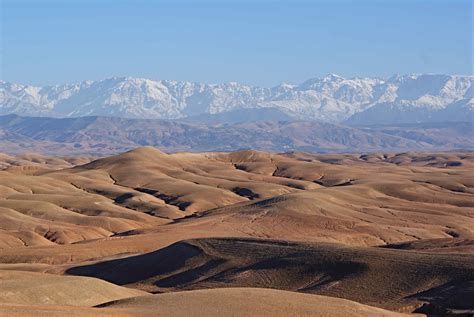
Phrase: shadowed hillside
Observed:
(381, 277)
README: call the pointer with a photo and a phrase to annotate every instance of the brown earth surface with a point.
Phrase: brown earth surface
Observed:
(392, 230)
(213, 302)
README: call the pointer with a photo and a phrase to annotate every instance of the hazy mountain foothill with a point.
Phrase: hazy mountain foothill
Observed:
(329, 114)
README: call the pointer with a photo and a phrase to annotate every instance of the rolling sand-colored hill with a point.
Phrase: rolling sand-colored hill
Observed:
(387, 278)
(248, 302)
(358, 200)
(213, 302)
(392, 230)
(29, 288)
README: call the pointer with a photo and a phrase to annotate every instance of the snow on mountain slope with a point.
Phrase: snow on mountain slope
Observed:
(407, 98)
(424, 98)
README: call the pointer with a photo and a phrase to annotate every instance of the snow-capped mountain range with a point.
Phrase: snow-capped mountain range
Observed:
(399, 99)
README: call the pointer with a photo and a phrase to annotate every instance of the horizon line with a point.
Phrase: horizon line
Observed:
(237, 82)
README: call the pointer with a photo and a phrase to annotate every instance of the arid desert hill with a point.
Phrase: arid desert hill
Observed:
(391, 230)
(212, 302)
(391, 279)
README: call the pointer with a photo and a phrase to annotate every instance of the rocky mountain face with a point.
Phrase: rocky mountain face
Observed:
(359, 101)
(107, 135)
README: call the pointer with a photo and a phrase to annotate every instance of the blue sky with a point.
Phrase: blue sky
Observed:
(256, 42)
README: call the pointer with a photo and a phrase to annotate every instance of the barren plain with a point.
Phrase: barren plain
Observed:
(146, 233)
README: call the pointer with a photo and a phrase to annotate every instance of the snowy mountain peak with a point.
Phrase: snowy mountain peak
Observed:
(330, 98)
(332, 77)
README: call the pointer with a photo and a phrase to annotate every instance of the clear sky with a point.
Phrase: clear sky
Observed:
(250, 41)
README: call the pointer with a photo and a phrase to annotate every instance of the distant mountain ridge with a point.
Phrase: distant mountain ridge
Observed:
(108, 135)
(399, 99)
